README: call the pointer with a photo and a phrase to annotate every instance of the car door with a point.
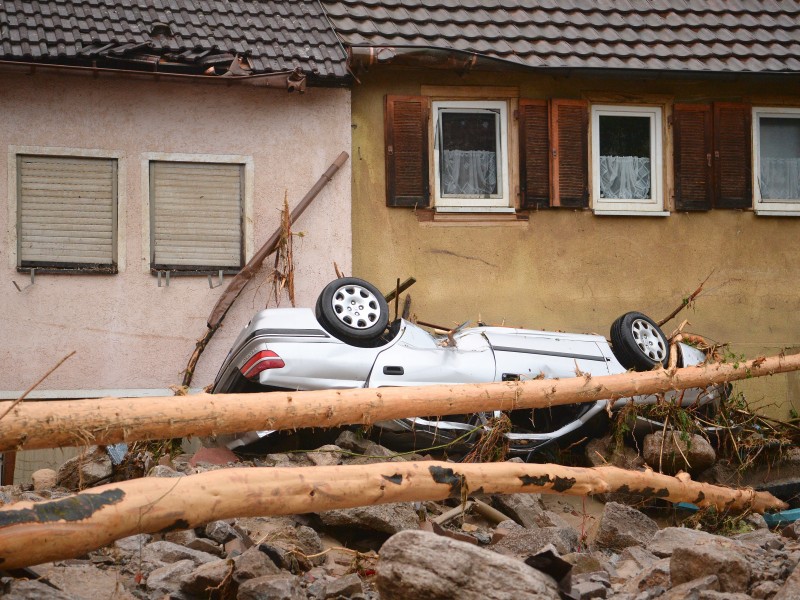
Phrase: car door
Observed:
(523, 354)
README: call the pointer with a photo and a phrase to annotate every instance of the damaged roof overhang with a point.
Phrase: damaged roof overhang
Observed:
(144, 60)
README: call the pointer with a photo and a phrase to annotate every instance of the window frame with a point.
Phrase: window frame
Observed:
(118, 258)
(247, 187)
(656, 206)
(505, 202)
(770, 207)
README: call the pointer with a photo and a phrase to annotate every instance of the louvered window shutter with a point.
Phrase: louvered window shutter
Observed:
(67, 211)
(569, 132)
(534, 153)
(407, 164)
(196, 215)
(733, 162)
(692, 142)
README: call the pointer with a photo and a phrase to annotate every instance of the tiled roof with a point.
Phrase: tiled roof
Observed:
(188, 35)
(758, 36)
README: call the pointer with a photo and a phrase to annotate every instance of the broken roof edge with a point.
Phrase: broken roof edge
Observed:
(293, 81)
(365, 55)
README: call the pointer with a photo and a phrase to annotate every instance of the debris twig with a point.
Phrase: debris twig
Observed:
(35, 385)
(685, 302)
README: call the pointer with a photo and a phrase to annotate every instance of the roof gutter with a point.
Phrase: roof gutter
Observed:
(432, 58)
(291, 81)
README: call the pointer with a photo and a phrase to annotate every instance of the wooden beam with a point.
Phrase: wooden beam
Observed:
(111, 420)
(33, 533)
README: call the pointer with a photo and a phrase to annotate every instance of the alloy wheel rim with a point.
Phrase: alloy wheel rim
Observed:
(356, 306)
(649, 340)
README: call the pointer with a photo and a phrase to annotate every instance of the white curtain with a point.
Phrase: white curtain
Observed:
(469, 172)
(624, 177)
(780, 178)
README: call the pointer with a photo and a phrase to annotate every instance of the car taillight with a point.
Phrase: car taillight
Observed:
(261, 361)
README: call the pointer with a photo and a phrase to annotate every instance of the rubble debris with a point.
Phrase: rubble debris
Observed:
(676, 451)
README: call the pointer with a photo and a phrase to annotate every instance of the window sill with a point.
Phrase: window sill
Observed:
(507, 217)
(72, 269)
(631, 213)
(777, 213)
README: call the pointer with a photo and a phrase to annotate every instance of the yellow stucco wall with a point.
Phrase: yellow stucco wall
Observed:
(574, 271)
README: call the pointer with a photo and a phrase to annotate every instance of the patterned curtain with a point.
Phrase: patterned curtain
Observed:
(625, 177)
(469, 172)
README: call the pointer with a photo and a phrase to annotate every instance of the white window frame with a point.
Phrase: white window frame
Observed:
(247, 195)
(13, 199)
(775, 208)
(503, 202)
(653, 206)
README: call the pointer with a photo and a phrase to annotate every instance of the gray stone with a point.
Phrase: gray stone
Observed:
(622, 526)
(525, 542)
(167, 579)
(385, 518)
(760, 538)
(649, 578)
(221, 532)
(584, 590)
(791, 587)
(167, 552)
(43, 479)
(525, 509)
(286, 587)
(666, 540)
(344, 586)
(792, 531)
(756, 521)
(690, 590)
(349, 440)
(586, 562)
(133, 543)
(86, 469)
(326, 456)
(418, 564)
(183, 537)
(714, 595)
(206, 545)
(672, 452)
(700, 560)
(254, 564)
(164, 471)
(765, 589)
(208, 575)
(29, 589)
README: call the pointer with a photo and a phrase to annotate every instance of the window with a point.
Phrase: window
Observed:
(66, 213)
(776, 135)
(196, 216)
(627, 165)
(470, 155)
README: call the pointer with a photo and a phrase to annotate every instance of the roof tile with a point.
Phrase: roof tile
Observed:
(684, 35)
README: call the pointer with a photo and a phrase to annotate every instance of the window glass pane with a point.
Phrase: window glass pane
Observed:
(468, 153)
(625, 160)
(780, 158)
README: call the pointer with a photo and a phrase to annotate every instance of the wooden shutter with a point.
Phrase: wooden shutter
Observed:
(67, 211)
(534, 153)
(733, 163)
(407, 164)
(692, 145)
(569, 130)
(195, 215)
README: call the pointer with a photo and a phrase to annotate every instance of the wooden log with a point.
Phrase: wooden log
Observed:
(111, 420)
(32, 533)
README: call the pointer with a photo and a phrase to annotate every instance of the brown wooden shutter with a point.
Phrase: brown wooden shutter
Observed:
(733, 162)
(692, 145)
(534, 153)
(407, 151)
(569, 131)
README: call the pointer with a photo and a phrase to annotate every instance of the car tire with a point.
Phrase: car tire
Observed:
(639, 343)
(353, 311)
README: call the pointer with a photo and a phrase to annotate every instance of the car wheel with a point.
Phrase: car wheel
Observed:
(353, 310)
(639, 343)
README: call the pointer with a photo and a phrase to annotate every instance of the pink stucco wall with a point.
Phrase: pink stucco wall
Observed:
(129, 333)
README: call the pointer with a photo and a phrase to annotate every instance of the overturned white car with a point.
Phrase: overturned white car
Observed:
(347, 342)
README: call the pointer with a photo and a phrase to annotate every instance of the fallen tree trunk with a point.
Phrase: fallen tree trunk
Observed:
(111, 420)
(32, 533)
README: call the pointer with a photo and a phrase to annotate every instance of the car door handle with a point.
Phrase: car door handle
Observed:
(393, 370)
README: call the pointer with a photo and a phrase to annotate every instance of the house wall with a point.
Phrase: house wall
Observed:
(128, 333)
(574, 271)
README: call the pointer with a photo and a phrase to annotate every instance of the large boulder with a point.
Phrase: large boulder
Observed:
(418, 564)
(678, 451)
(622, 526)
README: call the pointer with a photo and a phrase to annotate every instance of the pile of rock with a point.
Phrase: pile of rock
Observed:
(501, 547)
